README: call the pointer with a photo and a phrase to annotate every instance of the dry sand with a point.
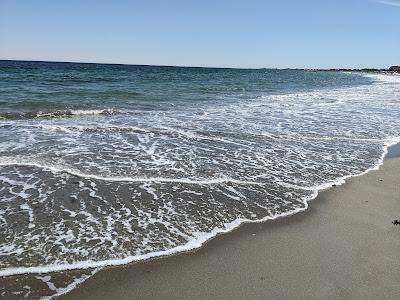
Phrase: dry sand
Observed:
(343, 247)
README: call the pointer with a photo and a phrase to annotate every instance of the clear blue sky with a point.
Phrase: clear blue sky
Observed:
(247, 33)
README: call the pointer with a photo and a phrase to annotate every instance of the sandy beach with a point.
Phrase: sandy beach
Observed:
(343, 247)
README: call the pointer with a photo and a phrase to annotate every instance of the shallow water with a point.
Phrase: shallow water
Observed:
(106, 164)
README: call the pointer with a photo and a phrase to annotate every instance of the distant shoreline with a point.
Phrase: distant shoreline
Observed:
(365, 71)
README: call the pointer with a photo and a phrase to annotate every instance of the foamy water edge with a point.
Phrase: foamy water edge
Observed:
(200, 238)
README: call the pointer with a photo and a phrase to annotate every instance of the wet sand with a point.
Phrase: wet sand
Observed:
(343, 247)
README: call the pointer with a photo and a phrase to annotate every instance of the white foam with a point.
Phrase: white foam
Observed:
(92, 111)
(342, 180)
(388, 78)
(46, 279)
(77, 112)
(198, 240)
(27, 208)
(7, 161)
(74, 284)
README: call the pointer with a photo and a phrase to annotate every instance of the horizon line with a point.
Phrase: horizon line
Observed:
(184, 66)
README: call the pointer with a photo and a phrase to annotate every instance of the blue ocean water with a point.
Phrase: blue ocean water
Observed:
(44, 86)
(107, 164)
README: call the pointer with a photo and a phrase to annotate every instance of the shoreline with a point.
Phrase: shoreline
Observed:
(192, 267)
(392, 146)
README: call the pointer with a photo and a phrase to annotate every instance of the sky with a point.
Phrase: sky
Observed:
(207, 33)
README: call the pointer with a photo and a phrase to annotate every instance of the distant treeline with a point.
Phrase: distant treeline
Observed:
(392, 69)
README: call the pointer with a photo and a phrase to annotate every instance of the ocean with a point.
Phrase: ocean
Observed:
(104, 165)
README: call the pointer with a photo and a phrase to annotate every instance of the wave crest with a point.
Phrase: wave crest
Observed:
(55, 114)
